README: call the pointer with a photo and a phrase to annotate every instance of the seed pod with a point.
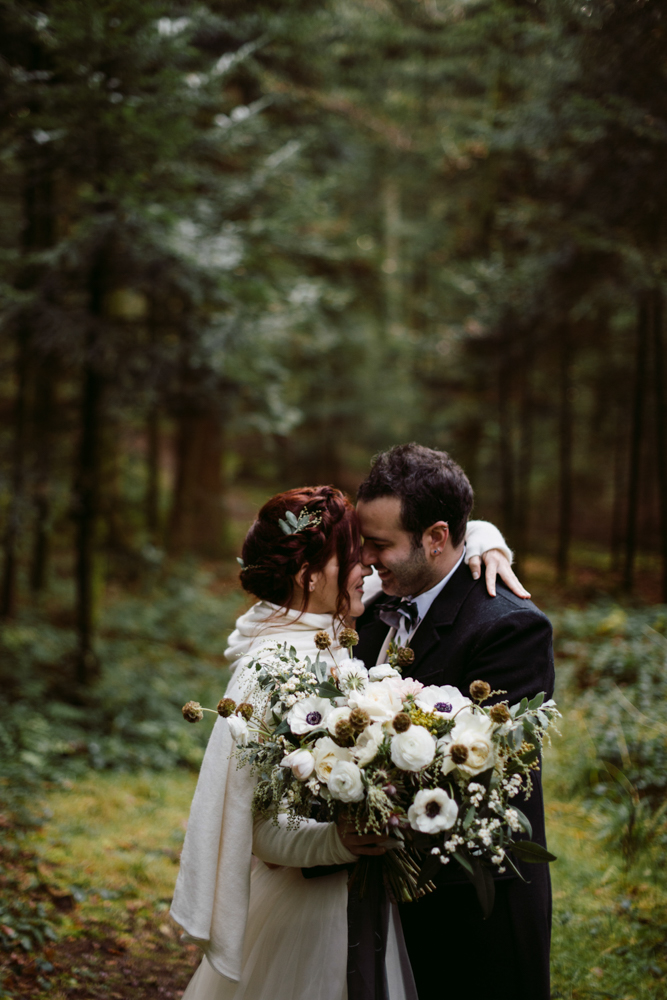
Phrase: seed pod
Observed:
(405, 656)
(245, 710)
(480, 690)
(459, 753)
(348, 638)
(226, 706)
(359, 719)
(344, 732)
(192, 712)
(401, 722)
(322, 640)
(500, 714)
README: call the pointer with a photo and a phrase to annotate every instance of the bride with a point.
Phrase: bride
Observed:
(267, 932)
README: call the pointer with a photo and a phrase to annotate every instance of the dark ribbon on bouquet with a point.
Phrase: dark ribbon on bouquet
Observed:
(396, 610)
(368, 908)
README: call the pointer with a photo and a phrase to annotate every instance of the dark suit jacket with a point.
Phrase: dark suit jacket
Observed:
(466, 636)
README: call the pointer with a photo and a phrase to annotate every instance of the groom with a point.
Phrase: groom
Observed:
(413, 508)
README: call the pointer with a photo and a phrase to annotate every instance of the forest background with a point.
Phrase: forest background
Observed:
(244, 246)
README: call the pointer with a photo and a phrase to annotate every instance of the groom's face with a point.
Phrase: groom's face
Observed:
(404, 568)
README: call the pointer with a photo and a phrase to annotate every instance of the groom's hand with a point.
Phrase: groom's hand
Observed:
(356, 843)
(496, 564)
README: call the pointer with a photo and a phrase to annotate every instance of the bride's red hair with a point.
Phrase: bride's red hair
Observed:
(272, 559)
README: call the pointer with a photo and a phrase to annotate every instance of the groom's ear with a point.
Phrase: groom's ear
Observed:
(436, 537)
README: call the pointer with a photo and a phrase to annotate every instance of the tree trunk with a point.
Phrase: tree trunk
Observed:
(197, 522)
(17, 501)
(86, 488)
(525, 460)
(505, 440)
(391, 265)
(564, 457)
(636, 434)
(152, 499)
(619, 488)
(661, 427)
(44, 415)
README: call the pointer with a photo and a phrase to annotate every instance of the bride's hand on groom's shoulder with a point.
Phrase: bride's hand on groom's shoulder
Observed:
(367, 843)
(496, 564)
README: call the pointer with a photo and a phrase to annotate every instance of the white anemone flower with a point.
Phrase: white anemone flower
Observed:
(444, 701)
(432, 810)
(309, 714)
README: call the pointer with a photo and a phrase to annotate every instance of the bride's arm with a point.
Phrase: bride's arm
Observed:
(309, 845)
(484, 542)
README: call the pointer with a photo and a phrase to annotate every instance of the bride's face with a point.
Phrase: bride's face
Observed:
(323, 597)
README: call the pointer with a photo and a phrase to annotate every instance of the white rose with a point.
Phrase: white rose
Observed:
(335, 717)
(473, 730)
(382, 672)
(301, 762)
(238, 728)
(433, 810)
(445, 701)
(345, 782)
(309, 714)
(380, 700)
(326, 753)
(413, 750)
(368, 744)
(352, 675)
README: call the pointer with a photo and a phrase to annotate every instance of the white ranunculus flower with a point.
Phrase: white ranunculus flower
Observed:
(380, 700)
(309, 714)
(473, 730)
(352, 675)
(238, 728)
(326, 753)
(368, 744)
(381, 672)
(445, 701)
(433, 810)
(334, 717)
(345, 782)
(413, 750)
(301, 762)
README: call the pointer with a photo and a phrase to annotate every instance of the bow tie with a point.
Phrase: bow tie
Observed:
(397, 610)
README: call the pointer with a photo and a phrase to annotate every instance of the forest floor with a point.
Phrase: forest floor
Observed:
(108, 857)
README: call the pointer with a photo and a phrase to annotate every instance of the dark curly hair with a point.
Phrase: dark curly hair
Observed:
(272, 559)
(429, 484)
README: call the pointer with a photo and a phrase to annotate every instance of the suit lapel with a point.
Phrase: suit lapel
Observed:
(441, 614)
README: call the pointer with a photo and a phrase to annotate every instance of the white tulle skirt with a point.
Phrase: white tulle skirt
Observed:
(295, 945)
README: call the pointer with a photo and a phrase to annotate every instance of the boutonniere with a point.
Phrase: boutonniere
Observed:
(399, 656)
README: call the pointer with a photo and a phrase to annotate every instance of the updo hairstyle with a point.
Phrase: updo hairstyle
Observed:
(272, 558)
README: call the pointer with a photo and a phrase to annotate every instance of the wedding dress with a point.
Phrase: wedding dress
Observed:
(268, 933)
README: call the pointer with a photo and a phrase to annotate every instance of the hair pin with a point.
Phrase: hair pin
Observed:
(291, 523)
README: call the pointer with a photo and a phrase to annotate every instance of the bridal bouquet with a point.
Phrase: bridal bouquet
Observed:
(428, 767)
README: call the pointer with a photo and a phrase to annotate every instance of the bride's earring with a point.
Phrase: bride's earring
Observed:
(311, 586)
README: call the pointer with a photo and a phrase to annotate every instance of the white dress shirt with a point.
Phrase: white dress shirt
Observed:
(424, 602)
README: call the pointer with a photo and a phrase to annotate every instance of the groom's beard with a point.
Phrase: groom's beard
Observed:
(410, 577)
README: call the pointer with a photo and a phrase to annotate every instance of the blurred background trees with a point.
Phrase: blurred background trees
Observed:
(254, 243)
